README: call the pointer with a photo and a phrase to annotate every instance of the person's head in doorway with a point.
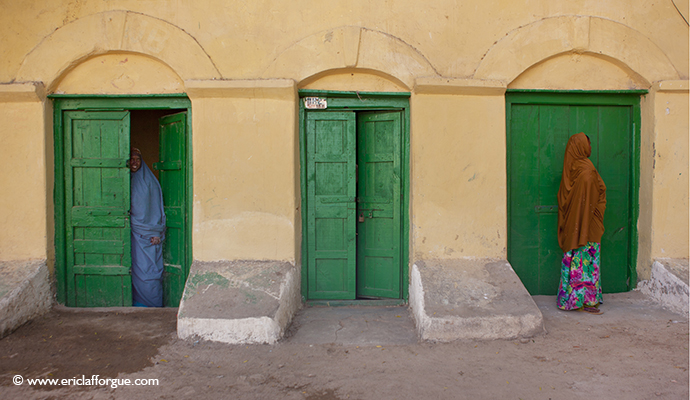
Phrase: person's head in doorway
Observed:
(134, 159)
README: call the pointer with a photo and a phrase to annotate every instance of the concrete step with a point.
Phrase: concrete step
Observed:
(25, 293)
(239, 301)
(668, 284)
(471, 299)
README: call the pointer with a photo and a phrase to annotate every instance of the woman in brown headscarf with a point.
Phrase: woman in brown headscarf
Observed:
(581, 205)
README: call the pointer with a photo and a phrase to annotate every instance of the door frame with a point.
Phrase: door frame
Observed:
(64, 102)
(361, 101)
(587, 98)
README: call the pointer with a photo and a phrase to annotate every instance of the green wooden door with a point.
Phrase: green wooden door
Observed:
(98, 256)
(172, 129)
(353, 233)
(379, 197)
(538, 134)
(331, 189)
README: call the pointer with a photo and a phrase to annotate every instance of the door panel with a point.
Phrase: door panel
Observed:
(378, 243)
(172, 129)
(524, 222)
(614, 166)
(553, 133)
(98, 257)
(331, 189)
(538, 136)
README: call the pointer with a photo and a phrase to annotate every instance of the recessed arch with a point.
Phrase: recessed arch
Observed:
(347, 79)
(518, 50)
(119, 73)
(579, 71)
(116, 31)
(351, 47)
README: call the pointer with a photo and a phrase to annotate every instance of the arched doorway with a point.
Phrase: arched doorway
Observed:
(355, 158)
(93, 136)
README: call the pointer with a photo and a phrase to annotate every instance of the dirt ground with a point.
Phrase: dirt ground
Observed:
(636, 350)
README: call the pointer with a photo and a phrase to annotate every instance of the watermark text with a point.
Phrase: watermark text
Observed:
(93, 380)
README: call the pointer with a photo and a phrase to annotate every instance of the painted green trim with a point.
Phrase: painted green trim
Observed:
(361, 101)
(59, 203)
(348, 303)
(540, 91)
(156, 102)
(407, 211)
(190, 192)
(574, 98)
(598, 97)
(335, 93)
(110, 102)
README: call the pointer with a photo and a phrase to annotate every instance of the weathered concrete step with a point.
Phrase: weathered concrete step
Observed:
(255, 301)
(471, 299)
(239, 301)
(25, 293)
(668, 284)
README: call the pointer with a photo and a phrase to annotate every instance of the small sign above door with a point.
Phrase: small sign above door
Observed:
(315, 103)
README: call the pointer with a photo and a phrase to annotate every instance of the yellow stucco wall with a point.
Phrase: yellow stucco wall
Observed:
(240, 64)
(644, 221)
(575, 71)
(245, 171)
(348, 78)
(24, 186)
(670, 172)
(244, 39)
(120, 73)
(458, 176)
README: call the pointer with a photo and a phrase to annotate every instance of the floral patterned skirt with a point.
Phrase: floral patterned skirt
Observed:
(580, 278)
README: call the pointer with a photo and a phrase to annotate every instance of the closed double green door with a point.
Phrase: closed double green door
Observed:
(538, 130)
(353, 232)
(97, 243)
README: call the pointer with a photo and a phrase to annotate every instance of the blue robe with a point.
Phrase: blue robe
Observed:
(147, 221)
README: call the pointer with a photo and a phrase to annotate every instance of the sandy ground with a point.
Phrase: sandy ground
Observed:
(636, 350)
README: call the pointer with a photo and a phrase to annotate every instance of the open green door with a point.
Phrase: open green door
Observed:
(93, 136)
(172, 129)
(331, 190)
(97, 232)
(378, 210)
(538, 131)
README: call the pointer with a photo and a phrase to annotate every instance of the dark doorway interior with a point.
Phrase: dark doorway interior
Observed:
(145, 134)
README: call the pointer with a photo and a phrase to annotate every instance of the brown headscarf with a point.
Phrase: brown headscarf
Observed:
(581, 197)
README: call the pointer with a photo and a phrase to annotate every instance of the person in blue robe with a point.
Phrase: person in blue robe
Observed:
(147, 218)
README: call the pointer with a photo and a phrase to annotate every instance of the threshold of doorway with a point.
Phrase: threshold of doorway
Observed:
(357, 302)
